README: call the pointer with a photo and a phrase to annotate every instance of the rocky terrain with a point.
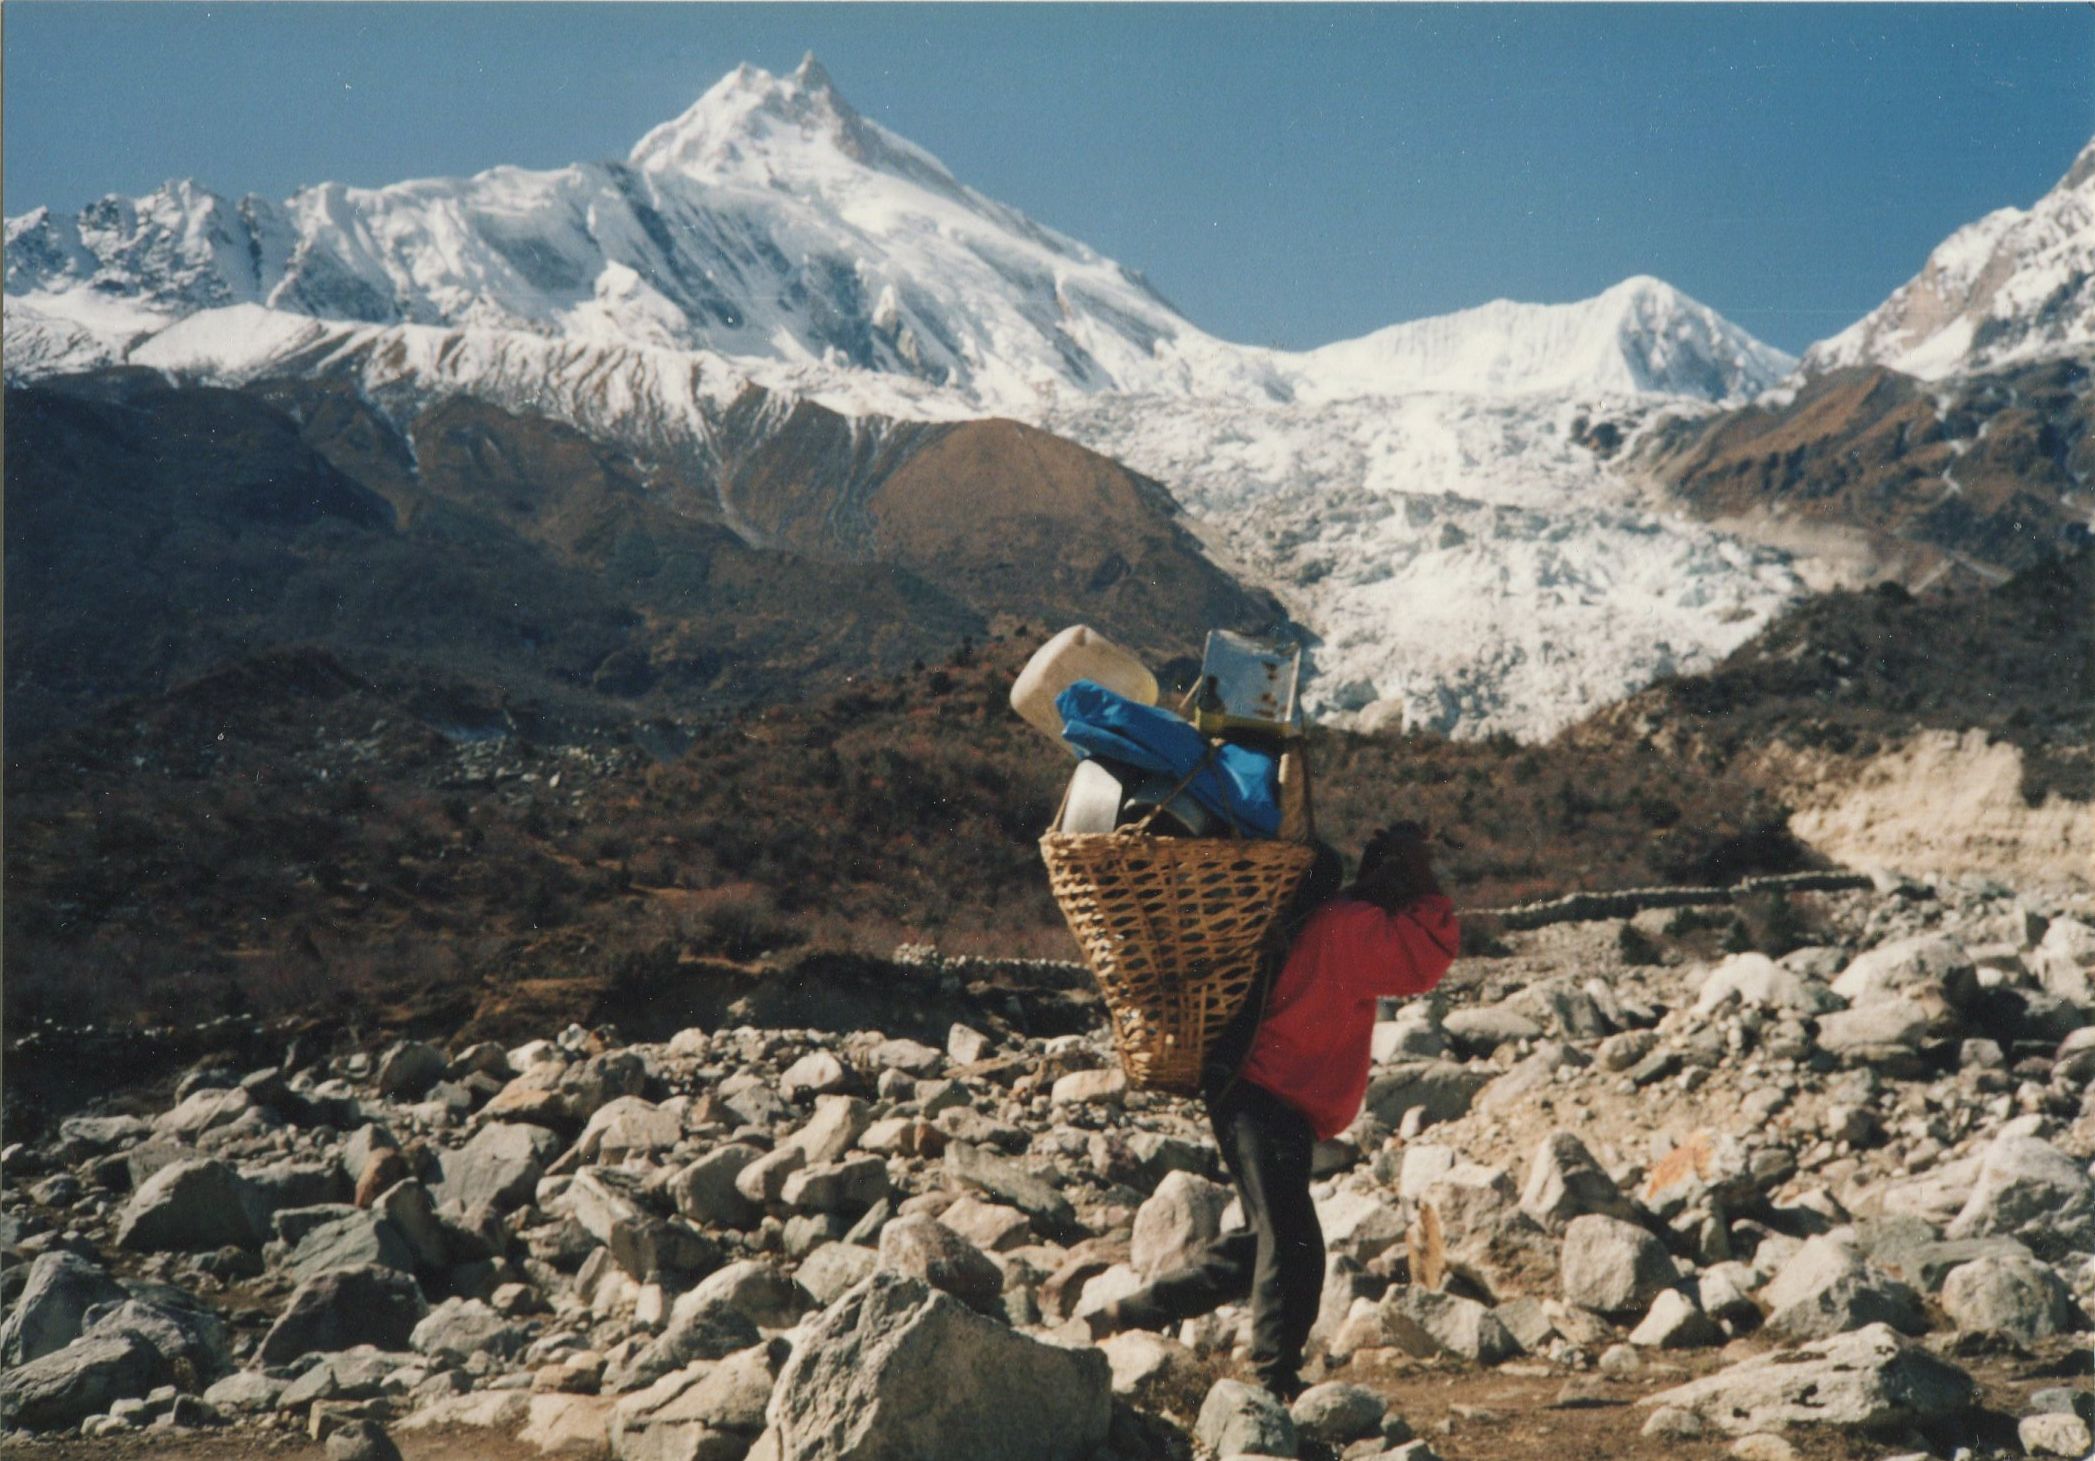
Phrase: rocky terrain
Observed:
(1611, 1193)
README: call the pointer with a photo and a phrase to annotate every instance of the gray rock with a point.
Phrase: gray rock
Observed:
(1827, 1288)
(85, 1378)
(360, 1440)
(291, 1224)
(50, 1312)
(1613, 1266)
(190, 1341)
(1673, 1322)
(897, 1369)
(410, 1210)
(1564, 1182)
(408, 1069)
(921, 1247)
(344, 1308)
(2054, 1434)
(1760, 983)
(1479, 1030)
(2019, 1297)
(2030, 1190)
(245, 1392)
(1925, 967)
(704, 1412)
(1050, 1211)
(1176, 1222)
(1486, 1237)
(849, 1186)
(203, 1111)
(705, 1191)
(767, 1297)
(818, 1073)
(831, 1270)
(356, 1241)
(762, 1180)
(625, 1125)
(1427, 1322)
(1880, 1028)
(834, 1129)
(500, 1166)
(1872, 1379)
(700, 1328)
(457, 1329)
(1336, 1413)
(189, 1207)
(593, 1084)
(1440, 1089)
(1242, 1420)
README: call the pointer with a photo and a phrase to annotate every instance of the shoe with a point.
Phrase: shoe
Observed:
(1287, 1389)
(1105, 1320)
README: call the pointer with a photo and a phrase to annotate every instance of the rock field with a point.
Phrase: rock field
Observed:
(1833, 1204)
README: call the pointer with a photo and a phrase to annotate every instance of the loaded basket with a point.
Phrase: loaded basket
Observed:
(1175, 928)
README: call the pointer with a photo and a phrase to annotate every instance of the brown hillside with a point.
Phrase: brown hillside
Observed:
(1981, 474)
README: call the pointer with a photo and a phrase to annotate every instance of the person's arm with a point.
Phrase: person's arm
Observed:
(1405, 952)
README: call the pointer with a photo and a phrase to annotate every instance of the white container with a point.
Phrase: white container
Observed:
(1077, 653)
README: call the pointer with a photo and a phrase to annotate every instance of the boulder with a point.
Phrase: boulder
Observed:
(703, 1412)
(922, 1247)
(1243, 1420)
(344, 1308)
(355, 1241)
(1176, 1223)
(765, 1295)
(1052, 1215)
(2064, 958)
(500, 1166)
(833, 1269)
(2018, 1297)
(849, 1186)
(458, 1328)
(762, 1180)
(700, 1328)
(818, 1073)
(409, 1068)
(1565, 1182)
(1440, 1090)
(1425, 1322)
(190, 1207)
(1479, 1030)
(625, 1125)
(2029, 1190)
(705, 1191)
(1108, 1087)
(2053, 1433)
(1869, 1033)
(1335, 1414)
(898, 1369)
(1872, 1379)
(1485, 1236)
(1759, 982)
(1673, 1322)
(59, 1390)
(1143, 1362)
(833, 1130)
(1826, 1288)
(203, 1111)
(1924, 968)
(1613, 1266)
(191, 1341)
(50, 1311)
(990, 1226)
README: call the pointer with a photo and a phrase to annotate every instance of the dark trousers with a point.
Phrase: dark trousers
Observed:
(1278, 1260)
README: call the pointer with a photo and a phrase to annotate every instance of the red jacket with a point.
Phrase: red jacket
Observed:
(1312, 1048)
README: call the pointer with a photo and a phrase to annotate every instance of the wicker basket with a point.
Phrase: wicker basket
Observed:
(1173, 929)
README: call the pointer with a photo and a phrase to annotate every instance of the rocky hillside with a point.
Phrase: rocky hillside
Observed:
(158, 531)
(1868, 474)
(1608, 1196)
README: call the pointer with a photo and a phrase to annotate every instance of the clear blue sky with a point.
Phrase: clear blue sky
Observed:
(1285, 174)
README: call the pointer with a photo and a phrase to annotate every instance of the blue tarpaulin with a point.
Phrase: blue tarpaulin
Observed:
(1237, 783)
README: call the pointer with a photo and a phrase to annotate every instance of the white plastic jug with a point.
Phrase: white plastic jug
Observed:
(1077, 653)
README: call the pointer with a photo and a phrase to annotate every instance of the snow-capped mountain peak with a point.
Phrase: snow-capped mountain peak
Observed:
(2015, 285)
(1640, 337)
